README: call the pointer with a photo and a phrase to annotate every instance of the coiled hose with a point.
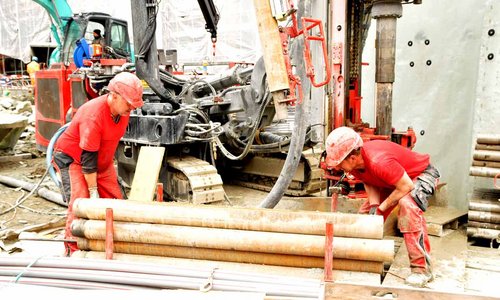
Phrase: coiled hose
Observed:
(50, 150)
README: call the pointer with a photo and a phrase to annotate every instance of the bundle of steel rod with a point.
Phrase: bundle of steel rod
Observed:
(110, 274)
(486, 157)
(247, 235)
(484, 214)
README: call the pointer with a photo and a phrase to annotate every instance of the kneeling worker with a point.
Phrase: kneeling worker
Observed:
(392, 175)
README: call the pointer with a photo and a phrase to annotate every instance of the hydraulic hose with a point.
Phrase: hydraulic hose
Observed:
(292, 159)
(50, 150)
(300, 124)
(296, 146)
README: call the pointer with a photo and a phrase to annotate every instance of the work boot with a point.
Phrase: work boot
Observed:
(419, 279)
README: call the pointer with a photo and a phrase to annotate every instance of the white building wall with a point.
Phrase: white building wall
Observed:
(445, 100)
(487, 106)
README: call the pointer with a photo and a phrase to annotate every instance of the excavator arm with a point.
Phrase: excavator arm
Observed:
(59, 11)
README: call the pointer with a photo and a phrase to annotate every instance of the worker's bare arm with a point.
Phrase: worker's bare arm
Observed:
(403, 187)
(373, 194)
(91, 179)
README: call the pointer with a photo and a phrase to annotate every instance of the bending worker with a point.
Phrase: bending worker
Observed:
(392, 175)
(84, 152)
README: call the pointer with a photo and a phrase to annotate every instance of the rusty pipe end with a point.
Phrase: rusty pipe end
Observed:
(83, 244)
(78, 227)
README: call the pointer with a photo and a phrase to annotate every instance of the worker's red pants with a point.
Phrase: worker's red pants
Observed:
(411, 223)
(74, 186)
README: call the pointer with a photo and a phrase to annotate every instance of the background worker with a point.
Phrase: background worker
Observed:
(31, 68)
(392, 175)
(84, 152)
(98, 38)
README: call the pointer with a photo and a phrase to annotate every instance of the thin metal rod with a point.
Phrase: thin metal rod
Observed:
(143, 268)
(158, 281)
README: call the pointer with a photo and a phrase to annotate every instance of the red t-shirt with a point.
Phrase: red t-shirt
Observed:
(93, 129)
(386, 162)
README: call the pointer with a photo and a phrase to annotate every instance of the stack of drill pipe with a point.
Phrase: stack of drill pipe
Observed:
(108, 274)
(247, 235)
(486, 156)
(484, 219)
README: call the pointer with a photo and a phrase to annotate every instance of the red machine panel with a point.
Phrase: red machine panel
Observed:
(52, 101)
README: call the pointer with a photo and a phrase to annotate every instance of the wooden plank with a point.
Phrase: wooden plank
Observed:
(442, 220)
(146, 174)
(272, 52)
(443, 215)
(435, 229)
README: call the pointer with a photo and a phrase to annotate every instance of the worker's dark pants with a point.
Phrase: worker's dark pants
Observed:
(411, 221)
(74, 186)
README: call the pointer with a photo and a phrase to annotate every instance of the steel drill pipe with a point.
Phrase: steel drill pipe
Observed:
(484, 233)
(487, 155)
(484, 171)
(485, 206)
(231, 256)
(485, 163)
(157, 281)
(487, 147)
(484, 216)
(94, 261)
(257, 219)
(484, 225)
(42, 192)
(491, 139)
(240, 240)
(69, 284)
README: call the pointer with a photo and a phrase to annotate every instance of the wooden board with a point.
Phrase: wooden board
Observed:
(274, 58)
(441, 220)
(146, 174)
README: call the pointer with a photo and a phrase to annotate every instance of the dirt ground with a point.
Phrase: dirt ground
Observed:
(34, 213)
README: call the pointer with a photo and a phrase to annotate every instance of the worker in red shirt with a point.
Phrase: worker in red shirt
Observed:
(392, 175)
(84, 152)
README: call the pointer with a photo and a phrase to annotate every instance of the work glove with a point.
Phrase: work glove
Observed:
(374, 210)
(94, 194)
